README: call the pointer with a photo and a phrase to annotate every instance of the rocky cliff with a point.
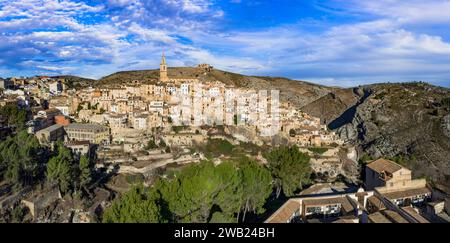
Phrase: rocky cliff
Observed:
(406, 122)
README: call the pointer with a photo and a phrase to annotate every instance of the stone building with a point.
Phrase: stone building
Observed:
(386, 173)
(50, 134)
(79, 148)
(95, 134)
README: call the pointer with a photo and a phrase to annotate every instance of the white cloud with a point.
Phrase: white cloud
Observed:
(411, 11)
(50, 37)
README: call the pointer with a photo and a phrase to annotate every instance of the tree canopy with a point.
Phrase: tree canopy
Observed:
(60, 169)
(139, 205)
(290, 169)
(22, 159)
(199, 193)
(84, 171)
(15, 116)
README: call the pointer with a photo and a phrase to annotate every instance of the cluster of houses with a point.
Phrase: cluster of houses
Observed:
(135, 110)
(390, 195)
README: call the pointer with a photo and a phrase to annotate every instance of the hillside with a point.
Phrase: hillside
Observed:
(409, 123)
(76, 82)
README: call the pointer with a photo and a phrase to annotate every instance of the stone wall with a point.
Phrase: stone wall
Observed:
(419, 183)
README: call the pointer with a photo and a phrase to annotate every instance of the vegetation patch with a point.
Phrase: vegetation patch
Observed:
(217, 147)
(178, 129)
(318, 150)
(14, 115)
(200, 193)
(291, 169)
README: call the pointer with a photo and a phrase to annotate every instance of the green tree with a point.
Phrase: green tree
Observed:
(136, 206)
(192, 194)
(15, 115)
(199, 193)
(290, 169)
(79, 108)
(219, 217)
(256, 184)
(85, 171)
(22, 159)
(151, 144)
(60, 169)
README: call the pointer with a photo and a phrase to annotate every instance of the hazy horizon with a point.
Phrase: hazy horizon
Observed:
(346, 84)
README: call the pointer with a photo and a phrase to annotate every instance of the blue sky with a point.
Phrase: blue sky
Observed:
(334, 42)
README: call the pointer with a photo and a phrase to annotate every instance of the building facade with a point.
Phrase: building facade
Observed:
(50, 134)
(95, 134)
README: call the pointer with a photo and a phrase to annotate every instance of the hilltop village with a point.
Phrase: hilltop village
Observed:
(140, 131)
(121, 121)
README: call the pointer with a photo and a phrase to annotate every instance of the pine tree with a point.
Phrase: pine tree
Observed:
(60, 170)
(136, 206)
(290, 169)
(85, 171)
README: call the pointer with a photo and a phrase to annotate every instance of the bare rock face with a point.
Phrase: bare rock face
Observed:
(401, 120)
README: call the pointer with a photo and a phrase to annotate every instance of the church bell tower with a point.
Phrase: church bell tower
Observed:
(163, 70)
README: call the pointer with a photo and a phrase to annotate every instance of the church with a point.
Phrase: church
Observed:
(164, 77)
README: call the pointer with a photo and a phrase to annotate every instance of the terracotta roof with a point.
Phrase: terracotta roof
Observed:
(379, 218)
(283, 214)
(395, 217)
(415, 215)
(344, 201)
(375, 201)
(381, 165)
(407, 193)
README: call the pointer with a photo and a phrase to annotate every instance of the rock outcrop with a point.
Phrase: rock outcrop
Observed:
(402, 121)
